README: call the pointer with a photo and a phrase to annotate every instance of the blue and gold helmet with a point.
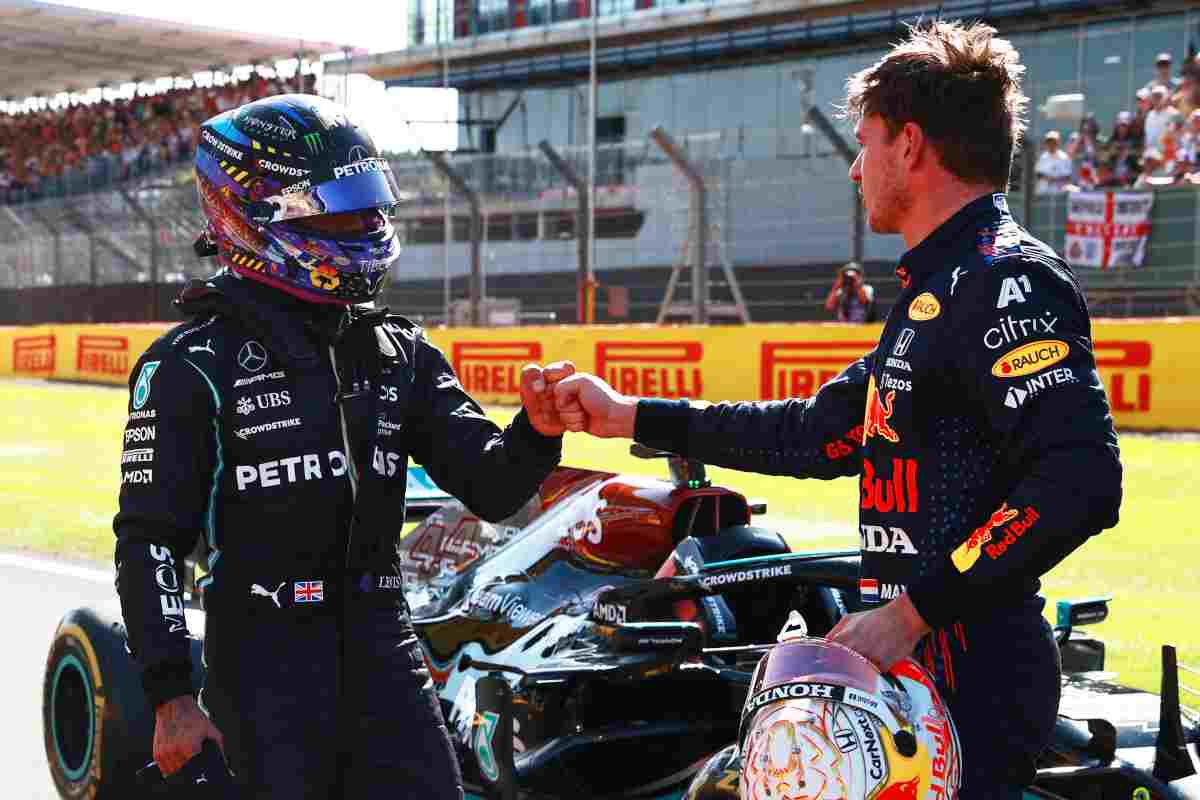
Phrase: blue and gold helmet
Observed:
(297, 197)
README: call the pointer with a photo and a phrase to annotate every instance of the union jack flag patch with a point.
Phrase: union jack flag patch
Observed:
(308, 592)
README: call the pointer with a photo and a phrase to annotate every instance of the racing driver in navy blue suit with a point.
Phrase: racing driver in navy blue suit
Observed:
(278, 422)
(986, 452)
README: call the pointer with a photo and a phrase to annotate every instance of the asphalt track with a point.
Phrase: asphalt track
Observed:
(34, 593)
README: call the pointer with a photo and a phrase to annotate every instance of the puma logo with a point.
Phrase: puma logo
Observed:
(257, 590)
(207, 348)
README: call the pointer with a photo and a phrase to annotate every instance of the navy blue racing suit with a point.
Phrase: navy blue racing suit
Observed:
(281, 432)
(986, 454)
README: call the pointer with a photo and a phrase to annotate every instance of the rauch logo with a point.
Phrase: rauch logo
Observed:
(799, 369)
(33, 355)
(649, 369)
(102, 355)
(493, 367)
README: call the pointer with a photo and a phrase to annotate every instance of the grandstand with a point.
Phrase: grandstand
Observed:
(733, 82)
(105, 235)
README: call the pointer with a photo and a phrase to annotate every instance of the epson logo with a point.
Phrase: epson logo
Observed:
(746, 575)
(361, 168)
(273, 166)
(296, 188)
(144, 433)
(224, 148)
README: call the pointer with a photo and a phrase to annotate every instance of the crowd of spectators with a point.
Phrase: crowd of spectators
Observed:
(1156, 144)
(81, 146)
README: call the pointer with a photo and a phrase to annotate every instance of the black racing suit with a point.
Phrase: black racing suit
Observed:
(282, 433)
(986, 454)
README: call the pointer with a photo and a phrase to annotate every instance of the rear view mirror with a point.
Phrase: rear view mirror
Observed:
(1074, 613)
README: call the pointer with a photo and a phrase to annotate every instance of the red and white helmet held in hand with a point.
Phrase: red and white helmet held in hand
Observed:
(822, 723)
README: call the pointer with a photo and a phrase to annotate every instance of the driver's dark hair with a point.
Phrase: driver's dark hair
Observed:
(961, 85)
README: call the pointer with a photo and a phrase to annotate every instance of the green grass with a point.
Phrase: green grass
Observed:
(59, 475)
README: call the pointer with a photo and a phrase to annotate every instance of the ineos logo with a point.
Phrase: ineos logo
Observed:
(357, 153)
(252, 357)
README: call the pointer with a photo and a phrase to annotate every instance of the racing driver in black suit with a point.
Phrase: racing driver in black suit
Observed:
(986, 453)
(279, 422)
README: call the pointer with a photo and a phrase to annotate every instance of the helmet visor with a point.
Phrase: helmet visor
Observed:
(818, 661)
(362, 185)
(347, 225)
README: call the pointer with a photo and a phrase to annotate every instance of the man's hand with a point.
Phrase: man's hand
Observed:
(180, 728)
(587, 403)
(882, 635)
(537, 395)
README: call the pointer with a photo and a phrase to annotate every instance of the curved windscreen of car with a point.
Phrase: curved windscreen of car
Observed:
(533, 575)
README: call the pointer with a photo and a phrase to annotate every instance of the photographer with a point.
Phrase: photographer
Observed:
(850, 298)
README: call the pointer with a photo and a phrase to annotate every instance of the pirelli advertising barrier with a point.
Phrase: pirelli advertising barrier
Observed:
(1151, 368)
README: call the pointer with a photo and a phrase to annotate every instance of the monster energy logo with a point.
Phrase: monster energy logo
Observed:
(313, 140)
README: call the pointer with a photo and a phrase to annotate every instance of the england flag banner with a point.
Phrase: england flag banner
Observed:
(1108, 229)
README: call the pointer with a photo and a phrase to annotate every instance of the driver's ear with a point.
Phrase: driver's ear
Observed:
(914, 144)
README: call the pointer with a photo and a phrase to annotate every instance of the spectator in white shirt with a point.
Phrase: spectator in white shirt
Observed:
(1053, 166)
(1162, 73)
(1158, 117)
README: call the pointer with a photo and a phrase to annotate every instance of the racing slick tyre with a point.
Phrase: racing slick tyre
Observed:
(96, 726)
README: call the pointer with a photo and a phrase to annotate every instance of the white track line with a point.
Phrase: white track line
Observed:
(56, 568)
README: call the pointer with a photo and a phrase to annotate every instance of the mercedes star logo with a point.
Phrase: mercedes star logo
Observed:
(252, 357)
(358, 153)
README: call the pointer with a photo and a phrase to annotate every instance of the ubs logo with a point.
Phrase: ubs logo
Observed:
(252, 357)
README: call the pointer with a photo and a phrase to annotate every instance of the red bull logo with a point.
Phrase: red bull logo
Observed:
(967, 553)
(878, 413)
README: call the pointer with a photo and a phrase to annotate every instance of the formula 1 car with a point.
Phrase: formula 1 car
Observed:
(599, 643)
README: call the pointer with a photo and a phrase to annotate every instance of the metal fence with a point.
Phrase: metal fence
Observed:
(779, 223)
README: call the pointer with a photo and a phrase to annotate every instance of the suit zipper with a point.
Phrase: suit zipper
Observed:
(351, 469)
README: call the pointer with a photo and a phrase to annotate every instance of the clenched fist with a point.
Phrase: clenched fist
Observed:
(537, 395)
(180, 728)
(587, 403)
